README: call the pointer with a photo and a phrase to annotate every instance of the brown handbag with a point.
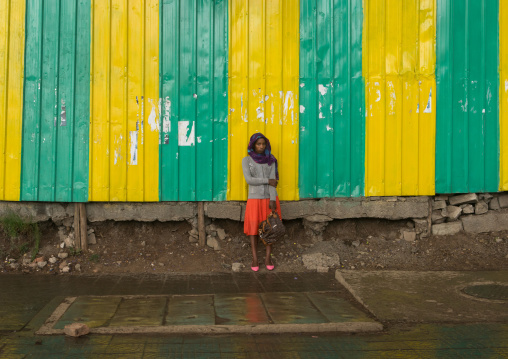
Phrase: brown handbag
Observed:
(272, 229)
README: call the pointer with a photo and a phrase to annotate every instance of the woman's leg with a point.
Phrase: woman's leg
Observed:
(254, 247)
(268, 258)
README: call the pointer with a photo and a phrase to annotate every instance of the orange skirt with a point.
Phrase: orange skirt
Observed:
(256, 212)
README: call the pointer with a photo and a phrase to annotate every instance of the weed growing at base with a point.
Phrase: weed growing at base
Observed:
(22, 234)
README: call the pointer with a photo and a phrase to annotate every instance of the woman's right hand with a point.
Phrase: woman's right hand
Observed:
(272, 182)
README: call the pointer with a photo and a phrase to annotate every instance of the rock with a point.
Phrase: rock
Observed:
(78, 267)
(314, 229)
(143, 243)
(441, 197)
(463, 198)
(319, 218)
(236, 267)
(494, 204)
(468, 209)
(421, 227)
(62, 265)
(221, 233)
(213, 243)
(90, 231)
(69, 241)
(26, 261)
(452, 212)
(63, 255)
(66, 269)
(194, 233)
(193, 239)
(486, 196)
(92, 239)
(322, 254)
(355, 243)
(322, 269)
(76, 329)
(439, 205)
(503, 200)
(52, 260)
(41, 264)
(481, 207)
(492, 221)
(32, 265)
(437, 217)
(409, 236)
(39, 259)
(446, 229)
(499, 240)
(16, 265)
(62, 245)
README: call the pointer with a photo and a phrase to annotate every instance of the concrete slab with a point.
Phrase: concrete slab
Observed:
(140, 312)
(190, 310)
(425, 296)
(337, 309)
(291, 308)
(92, 311)
(236, 309)
(210, 314)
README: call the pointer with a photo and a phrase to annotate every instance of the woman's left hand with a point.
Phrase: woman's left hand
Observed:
(273, 205)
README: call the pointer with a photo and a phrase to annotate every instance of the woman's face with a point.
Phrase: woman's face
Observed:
(260, 146)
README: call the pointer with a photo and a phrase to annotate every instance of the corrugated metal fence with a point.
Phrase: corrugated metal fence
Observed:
(149, 100)
(467, 114)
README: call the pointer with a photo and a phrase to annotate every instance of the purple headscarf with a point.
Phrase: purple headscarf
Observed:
(267, 157)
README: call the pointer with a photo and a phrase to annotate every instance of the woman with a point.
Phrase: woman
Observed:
(261, 174)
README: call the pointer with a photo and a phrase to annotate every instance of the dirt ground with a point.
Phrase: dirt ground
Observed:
(137, 247)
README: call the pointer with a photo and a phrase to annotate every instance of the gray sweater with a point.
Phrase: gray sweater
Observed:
(257, 176)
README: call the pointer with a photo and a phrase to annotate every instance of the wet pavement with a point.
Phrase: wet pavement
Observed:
(120, 302)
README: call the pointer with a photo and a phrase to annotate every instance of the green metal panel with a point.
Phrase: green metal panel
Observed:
(467, 128)
(56, 101)
(332, 99)
(194, 131)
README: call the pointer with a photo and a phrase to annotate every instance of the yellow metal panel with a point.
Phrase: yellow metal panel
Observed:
(12, 45)
(503, 91)
(399, 70)
(263, 88)
(124, 134)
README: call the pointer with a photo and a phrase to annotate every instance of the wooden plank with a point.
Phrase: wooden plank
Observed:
(77, 232)
(201, 224)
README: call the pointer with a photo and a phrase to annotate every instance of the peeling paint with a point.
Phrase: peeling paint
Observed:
(186, 135)
(133, 148)
(302, 109)
(152, 118)
(63, 114)
(322, 90)
(166, 123)
(428, 109)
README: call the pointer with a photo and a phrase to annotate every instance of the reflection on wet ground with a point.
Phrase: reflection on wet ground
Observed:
(421, 341)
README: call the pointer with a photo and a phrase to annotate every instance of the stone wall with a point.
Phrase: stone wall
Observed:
(445, 214)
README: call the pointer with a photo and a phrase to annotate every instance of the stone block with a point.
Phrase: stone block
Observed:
(481, 207)
(494, 204)
(322, 254)
(439, 205)
(409, 236)
(503, 200)
(452, 212)
(441, 197)
(143, 212)
(213, 243)
(488, 222)
(221, 233)
(447, 229)
(76, 329)
(463, 198)
(468, 209)
(224, 210)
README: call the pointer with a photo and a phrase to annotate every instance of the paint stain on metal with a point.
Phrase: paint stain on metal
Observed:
(133, 150)
(63, 115)
(186, 134)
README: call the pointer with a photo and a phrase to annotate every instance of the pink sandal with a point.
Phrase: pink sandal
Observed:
(270, 267)
(255, 269)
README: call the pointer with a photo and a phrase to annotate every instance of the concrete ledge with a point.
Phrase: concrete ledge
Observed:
(493, 221)
(38, 211)
(224, 210)
(144, 212)
(344, 208)
(350, 327)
